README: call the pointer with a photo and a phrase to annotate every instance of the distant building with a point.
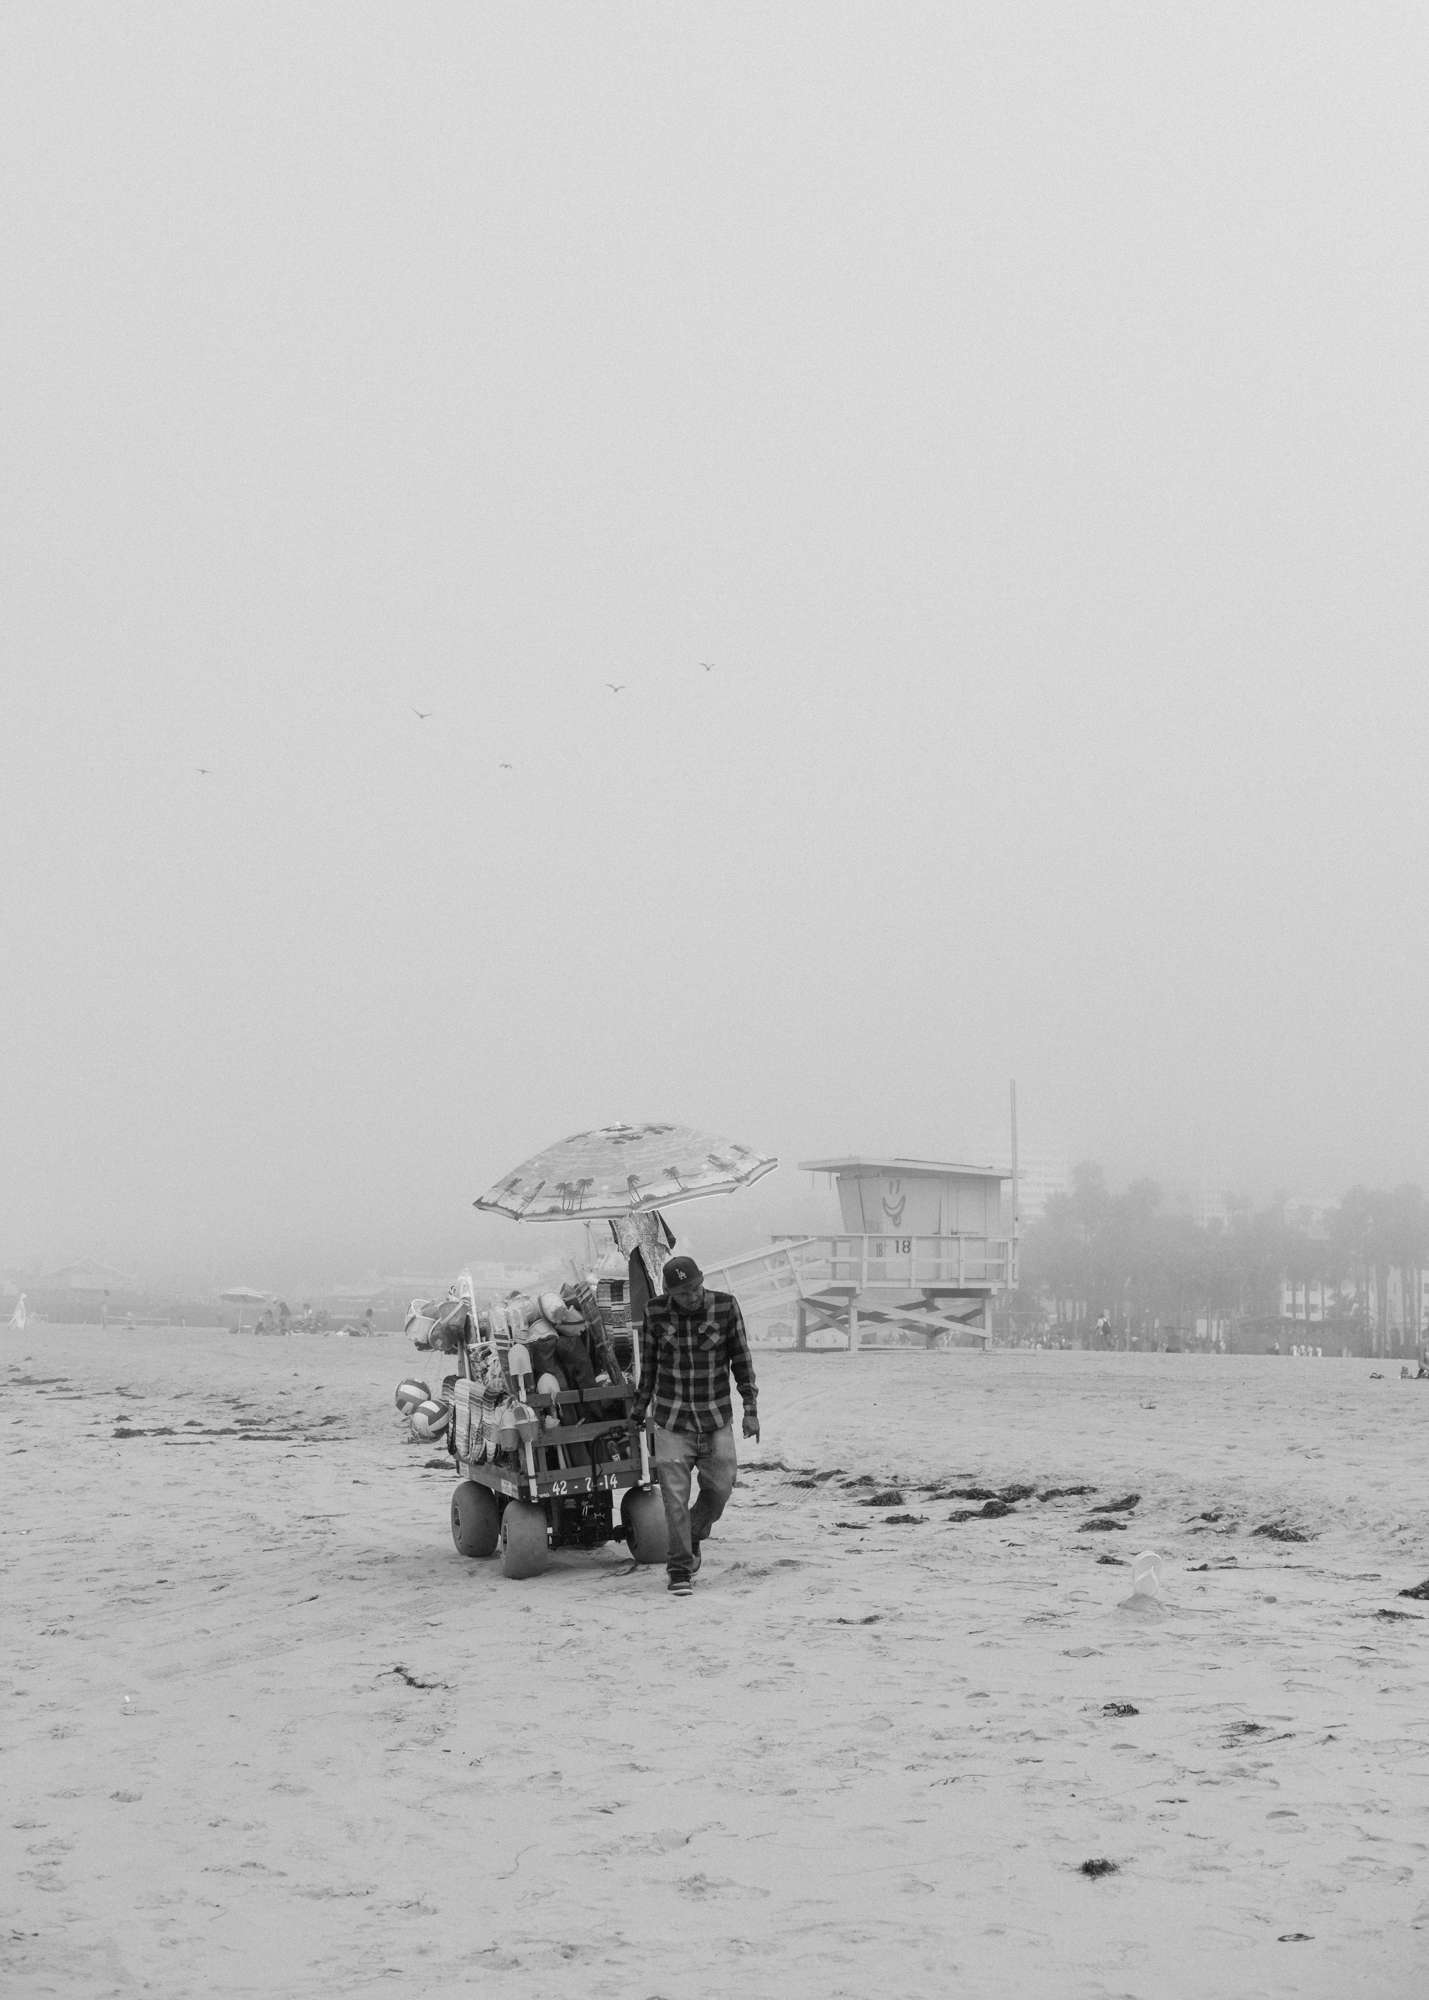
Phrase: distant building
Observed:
(1316, 1300)
(1206, 1202)
(1398, 1320)
(1310, 1214)
(1039, 1177)
(88, 1278)
(1213, 1206)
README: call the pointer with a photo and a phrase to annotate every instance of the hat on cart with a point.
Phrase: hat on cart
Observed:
(682, 1271)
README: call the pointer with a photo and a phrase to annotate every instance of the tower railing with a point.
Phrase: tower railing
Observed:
(804, 1266)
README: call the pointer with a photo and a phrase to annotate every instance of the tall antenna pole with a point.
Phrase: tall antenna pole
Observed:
(1016, 1197)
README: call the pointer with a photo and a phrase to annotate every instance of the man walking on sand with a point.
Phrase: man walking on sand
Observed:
(692, 1339)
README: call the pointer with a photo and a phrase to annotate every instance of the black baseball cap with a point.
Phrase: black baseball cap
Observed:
(682, 1271)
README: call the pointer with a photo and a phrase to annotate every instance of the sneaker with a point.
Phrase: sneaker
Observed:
(681, 1583)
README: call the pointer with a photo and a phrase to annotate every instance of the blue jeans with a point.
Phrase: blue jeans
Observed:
(678, 1454)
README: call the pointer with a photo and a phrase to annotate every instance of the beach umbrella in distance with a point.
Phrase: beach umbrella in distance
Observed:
(244, 1295)
(623, 1170)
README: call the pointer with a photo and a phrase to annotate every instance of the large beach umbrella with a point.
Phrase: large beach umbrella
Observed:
(623, 1170)
(244, 1295)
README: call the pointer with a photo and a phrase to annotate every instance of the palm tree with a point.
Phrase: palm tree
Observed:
(1406, 1238)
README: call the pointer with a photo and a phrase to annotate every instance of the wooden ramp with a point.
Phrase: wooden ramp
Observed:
(866, 1291)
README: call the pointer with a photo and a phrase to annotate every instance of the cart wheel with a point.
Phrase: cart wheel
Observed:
(524, 1549)
(643, 1515)
(476, 1519)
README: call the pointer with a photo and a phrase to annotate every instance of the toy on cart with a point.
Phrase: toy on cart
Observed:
(537, 1419)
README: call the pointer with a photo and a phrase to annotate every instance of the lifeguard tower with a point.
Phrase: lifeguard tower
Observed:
(923, 1253)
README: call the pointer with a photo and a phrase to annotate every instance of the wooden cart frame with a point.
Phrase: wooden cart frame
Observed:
(561, 1491)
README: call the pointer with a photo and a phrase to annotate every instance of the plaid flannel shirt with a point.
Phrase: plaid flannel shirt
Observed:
(685, 1364)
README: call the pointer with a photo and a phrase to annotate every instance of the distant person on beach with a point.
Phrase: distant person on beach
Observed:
(21, 1312)
(1103, 1331)
(691, 1341)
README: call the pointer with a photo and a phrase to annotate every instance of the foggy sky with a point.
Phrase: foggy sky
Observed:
(1024, 410)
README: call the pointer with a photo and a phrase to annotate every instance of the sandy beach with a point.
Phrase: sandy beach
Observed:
(268, 1734)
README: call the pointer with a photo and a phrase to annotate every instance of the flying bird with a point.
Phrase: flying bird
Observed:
(708, 666)
(203, 770)
(422, 713)
(505, 767)
(617, 687)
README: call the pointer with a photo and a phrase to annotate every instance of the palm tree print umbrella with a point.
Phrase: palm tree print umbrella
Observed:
(624, 1170)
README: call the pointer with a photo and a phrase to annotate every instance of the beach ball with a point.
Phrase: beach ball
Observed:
(409, 1394)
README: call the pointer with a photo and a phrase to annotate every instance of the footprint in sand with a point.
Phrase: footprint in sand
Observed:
(703, 1886)
(664, 1841)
